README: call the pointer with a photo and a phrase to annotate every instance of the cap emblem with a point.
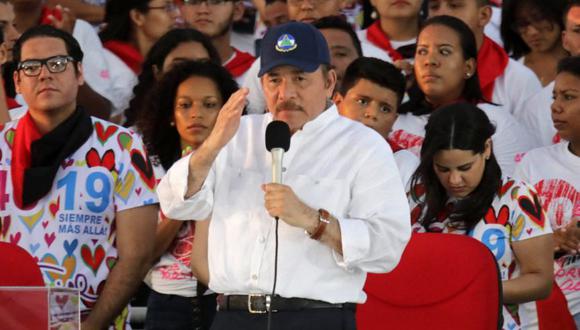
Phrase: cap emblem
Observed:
(286, 43)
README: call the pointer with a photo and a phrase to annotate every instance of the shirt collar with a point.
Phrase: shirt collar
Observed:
(318, 123)
(321, 121)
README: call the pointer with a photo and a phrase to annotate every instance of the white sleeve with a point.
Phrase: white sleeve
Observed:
(537, 117)
(510, 139)
(256, 102)
(378, 226)
(521, 84)
(171, 192)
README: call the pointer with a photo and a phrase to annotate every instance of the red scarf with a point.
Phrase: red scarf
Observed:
(491, 63)
(44, 20)
(241, 62)
(26, 133)
(11, 103)
(127, 53)
(380, 39)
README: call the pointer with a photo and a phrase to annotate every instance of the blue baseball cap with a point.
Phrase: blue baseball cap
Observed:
(296, 44)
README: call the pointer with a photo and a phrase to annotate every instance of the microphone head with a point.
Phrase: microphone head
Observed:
(277, 135)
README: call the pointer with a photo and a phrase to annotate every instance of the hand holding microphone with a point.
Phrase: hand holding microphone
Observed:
(279, 199)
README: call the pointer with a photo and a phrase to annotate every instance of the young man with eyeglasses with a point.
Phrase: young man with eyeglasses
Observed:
(76, 192)
(215, 19)
(96, 95)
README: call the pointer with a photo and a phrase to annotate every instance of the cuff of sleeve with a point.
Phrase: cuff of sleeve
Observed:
(172, 189)
(355, 240)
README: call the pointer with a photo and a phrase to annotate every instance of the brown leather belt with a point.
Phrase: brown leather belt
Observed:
(262, 303)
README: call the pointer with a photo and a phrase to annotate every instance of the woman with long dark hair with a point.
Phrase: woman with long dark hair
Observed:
(458, 188)
(532, 33)
(445, 72)
(175, 46)
(180, 115)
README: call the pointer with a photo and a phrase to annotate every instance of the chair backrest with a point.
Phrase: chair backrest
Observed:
(18, 267)
(443, 281)
(553, 312)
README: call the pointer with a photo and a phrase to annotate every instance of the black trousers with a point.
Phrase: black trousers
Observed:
(308, 319)
(172, 312)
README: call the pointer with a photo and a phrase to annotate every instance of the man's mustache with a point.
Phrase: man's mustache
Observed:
(289, 105)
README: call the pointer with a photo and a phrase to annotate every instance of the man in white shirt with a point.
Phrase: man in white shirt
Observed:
(339, 219)
(503, 81)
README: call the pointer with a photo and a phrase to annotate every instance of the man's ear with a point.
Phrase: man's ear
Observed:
(337, 98)
(565, 41)
(16, 78)
(330, 82)
(79, 74)
(238, 10)
(484, 16)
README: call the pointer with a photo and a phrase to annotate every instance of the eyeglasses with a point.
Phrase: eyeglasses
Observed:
(55, 64)
(208, 2)
(539, 22)
(169, 7)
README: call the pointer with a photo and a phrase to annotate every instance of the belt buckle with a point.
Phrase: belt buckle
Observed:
(258, 311)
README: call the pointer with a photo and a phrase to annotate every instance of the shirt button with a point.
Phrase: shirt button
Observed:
(262, 239)
(254, 277)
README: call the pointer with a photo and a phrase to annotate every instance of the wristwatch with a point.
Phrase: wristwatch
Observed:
(323, 220)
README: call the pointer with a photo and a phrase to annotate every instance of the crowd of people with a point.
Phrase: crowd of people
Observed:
(133, 150)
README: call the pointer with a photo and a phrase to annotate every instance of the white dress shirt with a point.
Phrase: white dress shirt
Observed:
(333, 163)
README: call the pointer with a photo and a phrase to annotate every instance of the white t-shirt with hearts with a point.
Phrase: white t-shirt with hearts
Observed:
(555, 173)
(514, 215)
(72, 230)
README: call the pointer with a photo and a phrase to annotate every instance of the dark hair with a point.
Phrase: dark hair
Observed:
(73, 48)
(460, 126)
(159, 136)
(118, 23)
(570, 65)
(552, 10)
(269, 2)
(571, 4)
(155, 57)
(376, 71)
(339, 23)
(472, 93)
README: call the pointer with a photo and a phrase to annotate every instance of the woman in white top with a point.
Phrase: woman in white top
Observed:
(459, 188)
(532, 32)
(445, 72)
(181, 113)
(555, 173)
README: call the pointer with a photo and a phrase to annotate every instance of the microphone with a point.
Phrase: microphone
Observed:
(277, 142)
